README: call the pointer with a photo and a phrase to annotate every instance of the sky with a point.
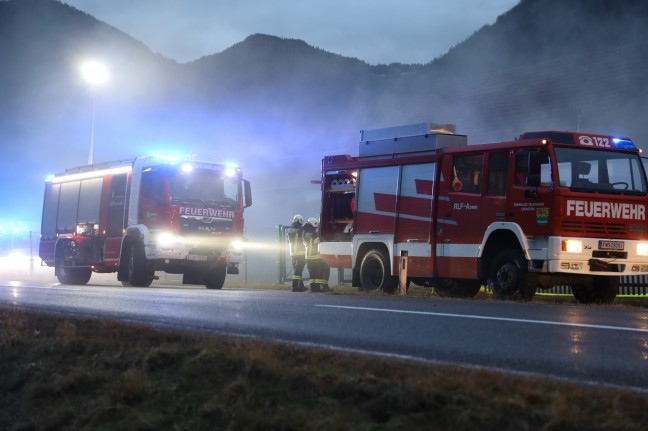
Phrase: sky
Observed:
(375, 31)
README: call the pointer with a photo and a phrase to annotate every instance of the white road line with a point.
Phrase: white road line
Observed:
(503, 319)
(48, 287)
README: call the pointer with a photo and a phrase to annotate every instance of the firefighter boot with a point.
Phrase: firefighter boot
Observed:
(325, 288)
(298, 285)
(315, 287)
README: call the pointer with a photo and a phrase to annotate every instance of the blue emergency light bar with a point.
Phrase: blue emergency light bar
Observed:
(624, 144)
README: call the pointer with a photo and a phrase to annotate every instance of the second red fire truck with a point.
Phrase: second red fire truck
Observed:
(550, 208)
(135, 217)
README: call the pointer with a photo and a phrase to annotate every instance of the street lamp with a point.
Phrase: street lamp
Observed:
(95, 74)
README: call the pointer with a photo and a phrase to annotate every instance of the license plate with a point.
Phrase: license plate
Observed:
(610, 245)
(199, 257)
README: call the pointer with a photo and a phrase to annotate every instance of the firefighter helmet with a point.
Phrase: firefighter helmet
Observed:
(313, 221)
(298, 218)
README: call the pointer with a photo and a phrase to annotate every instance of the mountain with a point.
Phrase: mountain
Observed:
(545, 64)
(277, 106)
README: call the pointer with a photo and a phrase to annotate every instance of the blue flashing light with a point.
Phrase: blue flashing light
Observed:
(231, 165)
(170, 159)
(624, 144)
(187, 167)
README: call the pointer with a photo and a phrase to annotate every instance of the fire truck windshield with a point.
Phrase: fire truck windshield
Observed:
(199, 186)
(595, 171)
(208, 187)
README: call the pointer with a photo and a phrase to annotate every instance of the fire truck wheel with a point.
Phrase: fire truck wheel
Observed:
(452, 288)
(374, 273)
(602, 291)
(78, 276)
(138, 275)
(215, 277)
(508, 278)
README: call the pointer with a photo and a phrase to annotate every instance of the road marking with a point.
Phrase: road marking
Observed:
(502, 319)
(48, 287)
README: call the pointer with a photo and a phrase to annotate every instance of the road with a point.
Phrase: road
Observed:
(600, 345)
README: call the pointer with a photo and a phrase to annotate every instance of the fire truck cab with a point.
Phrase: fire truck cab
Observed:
(135, 217)
(550, 208)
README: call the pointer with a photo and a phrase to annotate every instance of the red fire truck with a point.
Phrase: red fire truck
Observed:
(550, 208)
(135, 217)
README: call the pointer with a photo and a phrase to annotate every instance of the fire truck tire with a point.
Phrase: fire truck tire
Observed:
(79, 276)
(509, 279)
(602, 291)
(215, 277)
(374, 273)
(138, 275)
(453, 288)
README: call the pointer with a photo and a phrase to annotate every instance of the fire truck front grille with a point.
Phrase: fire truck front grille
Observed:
(204, 227)
(594, 228)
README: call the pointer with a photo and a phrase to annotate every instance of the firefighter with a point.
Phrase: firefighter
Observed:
(295, 236)
(318, 270)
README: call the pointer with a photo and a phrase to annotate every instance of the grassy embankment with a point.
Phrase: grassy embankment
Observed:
(63, 373)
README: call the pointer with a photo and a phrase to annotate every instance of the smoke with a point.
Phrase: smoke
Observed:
(278, 106)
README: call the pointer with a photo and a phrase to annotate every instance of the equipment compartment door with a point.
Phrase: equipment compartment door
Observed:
(459, 231)
(415, 212)
(116, 217)
(376, 200)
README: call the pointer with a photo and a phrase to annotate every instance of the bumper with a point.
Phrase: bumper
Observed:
(591, 256)
(204, 251)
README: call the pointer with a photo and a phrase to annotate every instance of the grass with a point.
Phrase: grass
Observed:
(61, 373)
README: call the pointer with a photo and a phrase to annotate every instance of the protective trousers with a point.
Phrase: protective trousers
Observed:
(298, 263)
(315, 273)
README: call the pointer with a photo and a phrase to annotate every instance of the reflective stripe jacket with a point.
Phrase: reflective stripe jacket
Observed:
(295, 235)
(311, 241)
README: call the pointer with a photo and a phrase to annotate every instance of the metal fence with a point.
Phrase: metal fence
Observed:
(636, 285)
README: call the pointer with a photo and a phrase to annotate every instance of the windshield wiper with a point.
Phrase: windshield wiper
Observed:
(222, 203)
(582, 189)
(633, 193)
(187, 201)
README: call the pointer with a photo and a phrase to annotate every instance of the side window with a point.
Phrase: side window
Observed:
(497, 173)
(467, 173)
(523, 177)
(152, 184)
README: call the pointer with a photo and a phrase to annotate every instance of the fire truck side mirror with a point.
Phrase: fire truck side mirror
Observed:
(248, 193)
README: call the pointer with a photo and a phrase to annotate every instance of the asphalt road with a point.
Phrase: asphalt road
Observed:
(600, 345)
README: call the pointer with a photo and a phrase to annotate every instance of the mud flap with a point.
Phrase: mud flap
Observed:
(233, 269)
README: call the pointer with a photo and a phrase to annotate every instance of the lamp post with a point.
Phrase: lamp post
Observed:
(95, 74)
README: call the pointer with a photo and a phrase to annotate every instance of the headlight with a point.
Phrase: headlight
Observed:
(168, 240)
(572, 246)
(237, 245)
(642, 249)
